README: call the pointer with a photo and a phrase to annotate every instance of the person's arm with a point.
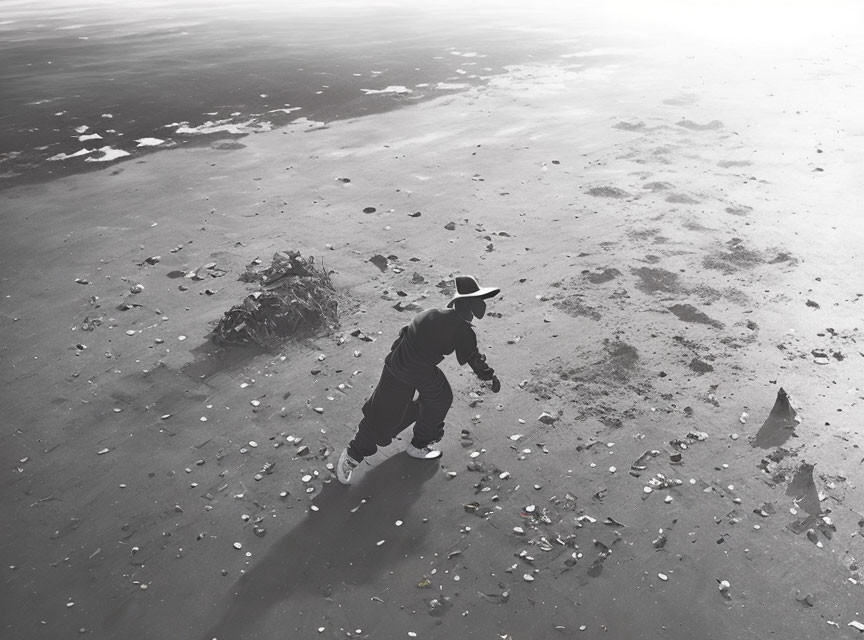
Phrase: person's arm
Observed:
(468, 353)
(401, 335)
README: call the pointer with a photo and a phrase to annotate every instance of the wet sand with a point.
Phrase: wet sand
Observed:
(676, 234)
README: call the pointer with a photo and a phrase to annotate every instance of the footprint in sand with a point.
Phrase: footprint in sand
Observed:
(695, 126)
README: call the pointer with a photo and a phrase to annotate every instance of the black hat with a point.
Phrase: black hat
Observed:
(467, 287)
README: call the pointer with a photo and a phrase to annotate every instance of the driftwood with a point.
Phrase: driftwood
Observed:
(295, 298)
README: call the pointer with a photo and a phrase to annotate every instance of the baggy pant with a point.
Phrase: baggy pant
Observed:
(392, 408)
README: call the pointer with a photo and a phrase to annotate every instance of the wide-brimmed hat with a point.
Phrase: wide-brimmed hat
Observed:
(467, 287)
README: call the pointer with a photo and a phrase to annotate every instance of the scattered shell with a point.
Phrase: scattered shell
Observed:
(255, 403)
(253, 444)
(528, 577)
(306, 478)
(238, 545)
(318, 409)
(663, 576)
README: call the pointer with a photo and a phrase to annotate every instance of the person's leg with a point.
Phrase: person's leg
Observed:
(364, 443)
(384, 411)
(436, 397)
(412, 412)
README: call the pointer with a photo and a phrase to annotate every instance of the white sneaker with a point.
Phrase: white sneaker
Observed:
(426, 453)
(345, 467)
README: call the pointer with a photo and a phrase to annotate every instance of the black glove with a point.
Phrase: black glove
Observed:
(496, 384)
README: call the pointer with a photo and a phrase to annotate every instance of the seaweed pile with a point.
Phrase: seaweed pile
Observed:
(295, 298)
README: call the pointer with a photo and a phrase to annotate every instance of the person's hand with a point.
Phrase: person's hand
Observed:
(496, 384)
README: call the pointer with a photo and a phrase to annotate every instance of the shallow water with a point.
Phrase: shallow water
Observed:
(85, 83)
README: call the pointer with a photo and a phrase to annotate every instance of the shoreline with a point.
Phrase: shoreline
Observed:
(640, 278)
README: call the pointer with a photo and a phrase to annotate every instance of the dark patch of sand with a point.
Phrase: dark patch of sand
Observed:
(574, 306)
(681, 198)
(607, 192)
(689, 313)
(695, 126)
(599, 277)
(652, 280)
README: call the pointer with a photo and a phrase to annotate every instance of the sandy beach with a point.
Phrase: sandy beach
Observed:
(675, 224)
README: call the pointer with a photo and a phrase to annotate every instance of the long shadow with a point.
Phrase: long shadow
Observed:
(335, 546)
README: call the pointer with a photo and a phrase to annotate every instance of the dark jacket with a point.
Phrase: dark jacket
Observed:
(430, 336)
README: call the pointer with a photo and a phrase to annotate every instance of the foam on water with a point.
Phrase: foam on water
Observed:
(66, 156)
(109, 153)
(149, 142)
(397, 89)
(69, 66)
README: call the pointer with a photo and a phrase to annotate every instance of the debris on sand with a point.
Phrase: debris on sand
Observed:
(295, 297)
(779, 426)
(803, 489)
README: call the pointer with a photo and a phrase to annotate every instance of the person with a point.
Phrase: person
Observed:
(412, 367)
